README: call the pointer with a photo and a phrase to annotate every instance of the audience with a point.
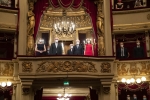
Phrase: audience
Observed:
(119, 5)
(40, 48)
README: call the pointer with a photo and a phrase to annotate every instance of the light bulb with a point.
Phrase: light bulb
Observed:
(59, 95)
(9, 83)
(143, 78)
(138, 80)
(132, 80)
(3, 84)
(123, 80)
(128, 81)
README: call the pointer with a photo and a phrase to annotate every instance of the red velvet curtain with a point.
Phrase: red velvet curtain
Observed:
(38, 95)
(39, 7)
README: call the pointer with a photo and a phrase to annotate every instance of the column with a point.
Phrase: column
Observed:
(14, 92)
(114, 46)
(147, 43)
(107, 28)
(23, 5)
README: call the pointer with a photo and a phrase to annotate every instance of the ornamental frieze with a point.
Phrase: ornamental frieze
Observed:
(105, 68)
(133, 68)
(66, 66)
(27, 67)
(7, 69)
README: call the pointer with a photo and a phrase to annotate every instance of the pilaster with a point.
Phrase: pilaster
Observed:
(147, 43)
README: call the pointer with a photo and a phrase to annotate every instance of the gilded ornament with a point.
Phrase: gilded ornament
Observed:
(143, 70)
(148, 16)
(106, 90)
(66, 66)
(105, 68)
(122, 69)
(27, 67)
(148, 69)
(7, 70)
(133, 69)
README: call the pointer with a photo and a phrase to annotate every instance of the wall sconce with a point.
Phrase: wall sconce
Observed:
(133, 80)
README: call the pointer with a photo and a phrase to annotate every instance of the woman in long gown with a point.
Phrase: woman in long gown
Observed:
(40, 48)
(88, 48)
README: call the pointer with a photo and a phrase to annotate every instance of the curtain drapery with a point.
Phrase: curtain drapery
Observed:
(93, 94)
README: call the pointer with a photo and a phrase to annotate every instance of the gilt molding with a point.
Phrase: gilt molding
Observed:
(9, 11)
(8, 26)
(66, 66)
(131, 11)
(131, 27)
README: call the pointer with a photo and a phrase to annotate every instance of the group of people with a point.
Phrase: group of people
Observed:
(135, 97)
(56, 48)
(137, 3)
(138, 51)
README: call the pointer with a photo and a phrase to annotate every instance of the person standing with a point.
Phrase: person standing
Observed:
(88, 48)
(122, 52)
(138, 51)
(77, 49)
(70, 51)
(40, 48)
(56, 48)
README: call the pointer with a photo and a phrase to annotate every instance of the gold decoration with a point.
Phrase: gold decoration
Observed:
(25, 91)
(105, 68)
(122, 70)
(66, 66)
(143, 70)
(8, 26)
(106, 90)
(133, 69)
(148, 69)
(30, 30)
(131, 27)
(100, 28)
(148, 16)
(7, 69)
(27, 67)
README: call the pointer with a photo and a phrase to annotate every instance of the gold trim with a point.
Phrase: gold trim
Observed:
(9, 10)
(131, 27)
(131, 11)
(4, 26)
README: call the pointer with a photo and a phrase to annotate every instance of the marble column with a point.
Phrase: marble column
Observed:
(23, 6)
(107, 29)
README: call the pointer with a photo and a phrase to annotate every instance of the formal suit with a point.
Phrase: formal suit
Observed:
(122, 53)
(77, 50)
(56, 49)
(70, 52)
(138, 52)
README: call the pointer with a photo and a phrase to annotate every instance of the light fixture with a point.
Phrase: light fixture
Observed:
(64, 96)
(133, 80)
(5, 84)
(65, 26)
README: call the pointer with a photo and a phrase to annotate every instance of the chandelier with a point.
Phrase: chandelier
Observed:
(65, 26)
(133, 80)
(64, 96)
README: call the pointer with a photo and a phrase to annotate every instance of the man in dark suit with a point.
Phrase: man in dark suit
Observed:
(122, 52)
(138, 51)
(70, 51)
(56, 48)
(77, 49)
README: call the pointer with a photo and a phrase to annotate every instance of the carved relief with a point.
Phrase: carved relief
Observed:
(105, 68)
(25, 91)
(130, 68)
(106, 90)
(7, 69)
(27, 67)
(66, 66)
(122, 70)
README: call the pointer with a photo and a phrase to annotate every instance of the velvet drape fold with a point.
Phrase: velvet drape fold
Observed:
(38, 95)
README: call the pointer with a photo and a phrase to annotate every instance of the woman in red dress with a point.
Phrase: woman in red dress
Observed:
(88, 50)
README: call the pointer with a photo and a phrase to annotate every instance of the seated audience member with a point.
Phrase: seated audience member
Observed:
(138, 3)
(135, 97)
(144, 97)
(78, 49)
(138, 51)
(56, 48)
(119, 5)
(122, 52)
(70, 51)
(40, 48)
(128, 97)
